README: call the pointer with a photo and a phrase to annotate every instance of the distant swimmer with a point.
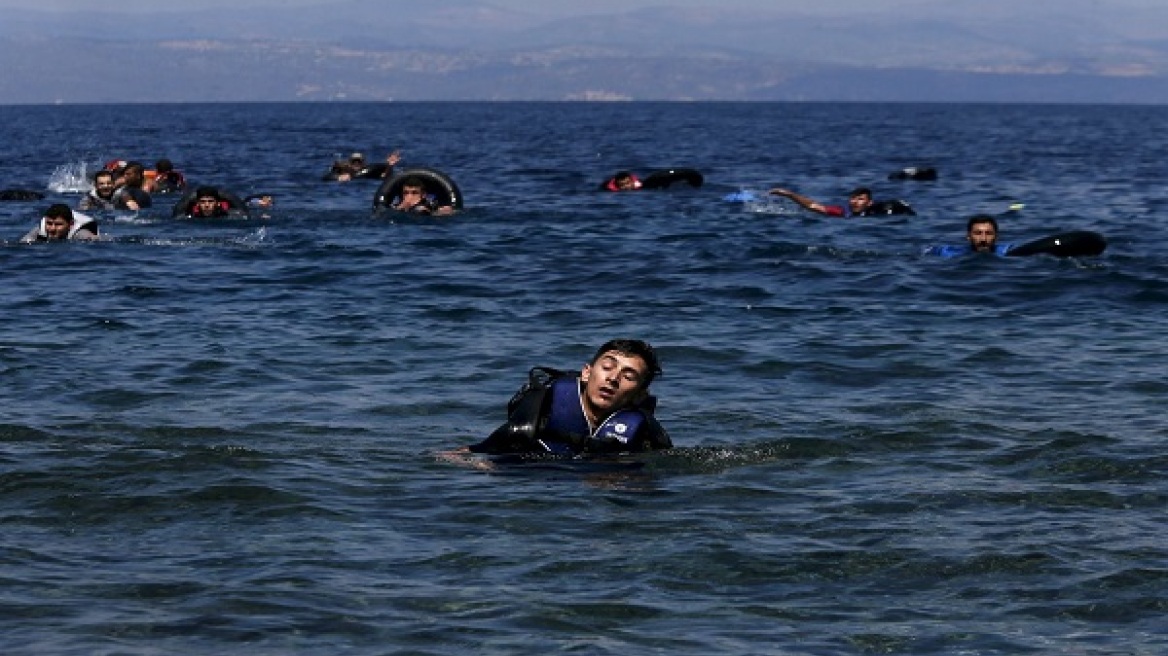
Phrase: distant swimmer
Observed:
(418, 190)
(413, 198)
(130, 194)
(981, 235)
(101, 197)
(344, 170)
(662, 179)
(622, 181)
(356, 168)
(166, 179)
(60, 223)
(860, 203)
(605, 409)
(209, 203)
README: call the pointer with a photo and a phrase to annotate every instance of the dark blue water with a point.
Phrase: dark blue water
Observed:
(222, 438)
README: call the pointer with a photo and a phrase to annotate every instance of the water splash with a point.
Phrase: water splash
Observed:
(260, 236)
(758, 201)
(72, 178)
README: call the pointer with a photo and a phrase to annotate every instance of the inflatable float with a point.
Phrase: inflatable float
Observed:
(1076, 243)
(668, 177)
(889, 208)
(661, 179)
(914, 173)
(437, 185)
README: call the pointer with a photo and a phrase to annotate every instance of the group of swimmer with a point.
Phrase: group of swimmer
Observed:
(605, 409)
(122, 185)
(411, 192)
(128, 186)
(981, 231)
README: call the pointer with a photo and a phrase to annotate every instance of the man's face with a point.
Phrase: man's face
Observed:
(859, 202)
(982, 236)
(57, 227)
(411, 195)
(207, 204)
(625, 183)
(104, 185)
(614, 381)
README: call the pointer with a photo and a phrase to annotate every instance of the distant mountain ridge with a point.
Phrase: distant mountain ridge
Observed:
(472, 51)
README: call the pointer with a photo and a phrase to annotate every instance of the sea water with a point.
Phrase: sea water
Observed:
(222, 437)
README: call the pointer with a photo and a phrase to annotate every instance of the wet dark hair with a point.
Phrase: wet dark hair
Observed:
(636, 348)
(103, 173)
(414, 181)
(204, 192)
(163, 166)
(981, 218)
(59, 211)
(860, 191)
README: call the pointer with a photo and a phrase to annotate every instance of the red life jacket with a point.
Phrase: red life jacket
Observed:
(611, 184)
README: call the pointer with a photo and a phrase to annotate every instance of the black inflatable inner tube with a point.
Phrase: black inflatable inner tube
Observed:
(666, 177)
(914, 173)
(889, 208)
(1076, 243)
(435, 182)
(186, 202)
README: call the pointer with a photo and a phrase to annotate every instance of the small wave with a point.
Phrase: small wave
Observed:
(255, 238)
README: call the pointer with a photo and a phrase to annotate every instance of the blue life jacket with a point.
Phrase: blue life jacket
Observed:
(546, 416)
(959, 250)
(566, 430)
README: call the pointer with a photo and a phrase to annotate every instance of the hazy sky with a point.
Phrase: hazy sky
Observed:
(553, 7)
(1085, 10)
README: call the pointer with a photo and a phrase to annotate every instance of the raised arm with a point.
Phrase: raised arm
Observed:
(391, 161)
(802, 200)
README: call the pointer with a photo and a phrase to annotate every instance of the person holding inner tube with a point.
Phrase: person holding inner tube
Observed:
(860, 203)
(606, 409)
(413, 198)
(61, 224)
(981, 235)
(208, 204)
